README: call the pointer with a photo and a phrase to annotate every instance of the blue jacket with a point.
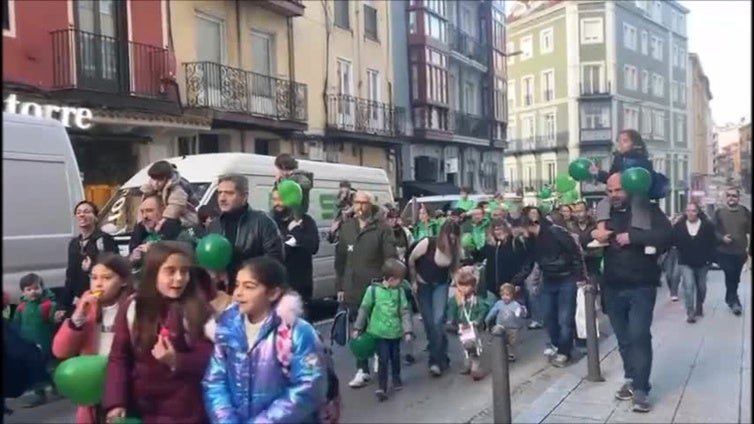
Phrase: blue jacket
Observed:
(243, 385)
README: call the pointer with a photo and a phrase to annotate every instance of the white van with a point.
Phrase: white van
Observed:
(120, 214)
(41, 185)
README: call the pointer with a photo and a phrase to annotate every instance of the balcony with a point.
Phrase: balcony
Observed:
(225, 89)
(109, 67)
(470, 125)
(595, 90)
(289, 8)
(372, 119)
(525, 186)
(596, 137)
(539, 143)
(467, 45)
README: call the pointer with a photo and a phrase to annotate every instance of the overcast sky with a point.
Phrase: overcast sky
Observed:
(720, 33)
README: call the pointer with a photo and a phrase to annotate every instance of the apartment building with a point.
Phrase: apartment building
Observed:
(112, 59)
(701, 126)
(615, 65)
(450, 74)
(733, 157)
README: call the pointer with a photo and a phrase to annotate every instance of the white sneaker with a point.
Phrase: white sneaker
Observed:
(595, 244)
(550, 350)
(361, 379)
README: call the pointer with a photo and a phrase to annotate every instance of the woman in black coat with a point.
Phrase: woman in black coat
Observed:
(505, 256)
(693, 237)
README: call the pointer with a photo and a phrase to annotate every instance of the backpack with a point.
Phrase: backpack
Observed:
(46, 307)
(329, 412)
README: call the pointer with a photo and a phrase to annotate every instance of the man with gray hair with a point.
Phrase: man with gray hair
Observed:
(251, 233)
(364, 245)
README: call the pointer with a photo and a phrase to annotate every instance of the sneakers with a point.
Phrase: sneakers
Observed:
(674, 298)
(559, 361)
(626, 392)
(641, 402)
(381, 395)
(535, 325)
(435, 370)
(361, 379)
(594, 244)
(550, 350)
(409, 360)
(397, 385)
(690, 318)
(511, 357)
(735, 307)
(699, 311)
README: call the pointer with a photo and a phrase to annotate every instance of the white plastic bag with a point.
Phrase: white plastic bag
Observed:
(581, 314)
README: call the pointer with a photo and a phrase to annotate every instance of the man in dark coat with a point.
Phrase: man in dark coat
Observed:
(301, 243)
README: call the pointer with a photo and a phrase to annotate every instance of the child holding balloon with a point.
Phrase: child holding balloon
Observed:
(631, 153)
(160, 349)
(89, 330)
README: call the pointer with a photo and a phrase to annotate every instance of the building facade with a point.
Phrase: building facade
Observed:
(616, 65)
(450, 76)
(114, 59)
(702, 126)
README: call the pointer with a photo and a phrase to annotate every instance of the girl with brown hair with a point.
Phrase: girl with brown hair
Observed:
(160, 351)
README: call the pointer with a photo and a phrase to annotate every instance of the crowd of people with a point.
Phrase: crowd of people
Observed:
(189, 344)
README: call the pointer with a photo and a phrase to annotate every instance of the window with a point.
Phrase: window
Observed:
(437, 76)
(679, 130)
(510, 48)
(373, 91)
(470, 98)
(659, 124)
(466, 22)
(592, 79)
(682, 58)
(591, 31)
(657, 47)
(646, 122)
(412, 27)
(436, 6)
(629, 37)
(630, 81)
(370, 22)
(645, 81)
(528, 91)
(9, 20)
(435, 27)
(511, 95)
(549, 125)
(527, 127)
(550, 171)
(500, 99)
(210, 39)
(548, 85)
(595, 116)
(342, 14)
(630, 117)
(644, 42)
(682, 93)
(511, 131)
(545, 41)
(658, 85)
(674, 91)
(682, 24)
(527, 46)
(262, 53)
(345, 78)
(498, 29)
(674, 54)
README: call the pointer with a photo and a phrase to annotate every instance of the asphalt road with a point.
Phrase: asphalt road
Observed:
(451, 398)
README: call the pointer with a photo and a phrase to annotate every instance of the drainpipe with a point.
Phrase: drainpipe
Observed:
(291, 74)
(328, 33)
(239, 50)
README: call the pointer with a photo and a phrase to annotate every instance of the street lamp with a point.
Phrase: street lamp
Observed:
(516, 53)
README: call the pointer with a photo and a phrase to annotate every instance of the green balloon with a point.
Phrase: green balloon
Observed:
(636, 180)
(546, 207)
(214, 252)
(290, 193)
(569, 197)
(82, 379)
(564, 183)
(545, 193)
(467, 241)
(364, 346)
(579, 169)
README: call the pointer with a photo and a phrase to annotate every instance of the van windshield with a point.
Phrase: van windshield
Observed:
(121, 213)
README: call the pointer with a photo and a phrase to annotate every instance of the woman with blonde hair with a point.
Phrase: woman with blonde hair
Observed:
(504, 253)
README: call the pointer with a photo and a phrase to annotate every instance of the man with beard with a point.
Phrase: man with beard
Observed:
(251, 232)
(733, 225)
(364, 245)
(146, 231)
(402, 235)
(301, 243)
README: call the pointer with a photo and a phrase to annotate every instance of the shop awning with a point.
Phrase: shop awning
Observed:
(420, 189)
(139, 119)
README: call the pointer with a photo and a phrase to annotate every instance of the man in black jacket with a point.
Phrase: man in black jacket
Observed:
(632, 275)
(251, 233)
(301, 243)
(558, 256)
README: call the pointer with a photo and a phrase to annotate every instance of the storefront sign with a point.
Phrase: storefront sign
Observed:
(79, 117)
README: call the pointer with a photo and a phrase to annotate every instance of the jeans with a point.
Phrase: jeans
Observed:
(388, 354)
(731, 266)
(694, 287)
(670, 271)
(533, 301)
(630, 312)
(558, 300)
(433, 301)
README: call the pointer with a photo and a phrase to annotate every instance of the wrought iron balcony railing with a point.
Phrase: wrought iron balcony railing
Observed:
(538, 142)
(88, 61)
(467, 45)
(595, 89)
(468, 125)
(596, 135)
(354, 114)
(215, 86)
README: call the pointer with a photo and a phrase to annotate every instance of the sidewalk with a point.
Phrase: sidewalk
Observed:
(700, 373)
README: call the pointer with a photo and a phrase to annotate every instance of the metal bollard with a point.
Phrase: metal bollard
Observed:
(592, 343)
(501, 385)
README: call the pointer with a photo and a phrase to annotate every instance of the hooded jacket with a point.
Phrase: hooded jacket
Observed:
(176, 200)
(384, 312)
(31, 321)
(248, 383)
(301, 243)
(359, 256)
